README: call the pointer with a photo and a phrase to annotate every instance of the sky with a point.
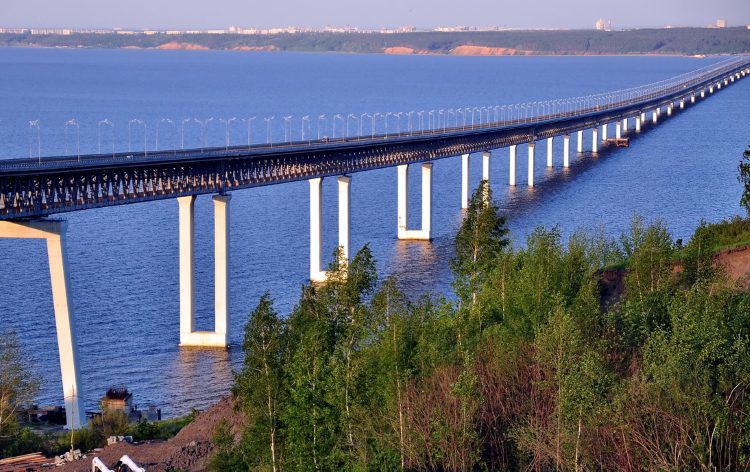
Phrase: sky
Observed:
(219, 14)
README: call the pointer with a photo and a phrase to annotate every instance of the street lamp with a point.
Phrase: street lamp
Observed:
(287, 127)
(268, 121)
(325, 122)
(35, 124)
(204, 127)
(226, 130)
(249, 130)
(398, 121)
(335, 117)
(305, 118)
(73, 122)
(361, 116)
(99, 135)
(420, 114)
(130, 127)
(158, 124)
(351, 116)
(182, 131)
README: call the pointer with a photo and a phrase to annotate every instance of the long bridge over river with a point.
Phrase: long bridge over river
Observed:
(33, 189)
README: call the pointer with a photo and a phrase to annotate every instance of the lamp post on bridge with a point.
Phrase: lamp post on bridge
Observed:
(249, 122)
(361, 116)
(182, 131)
(226, 130)
(130, 132)
(398, 121)
(35, 124)
(164, 120)
(325, 122)
(99, 135)
(73, 122)
(373, 123)
(409, 114)
(204, 127)
(336, 116)
(287, 127)
(420, 114)
(269, 138)
(350, 116)
(305, 118)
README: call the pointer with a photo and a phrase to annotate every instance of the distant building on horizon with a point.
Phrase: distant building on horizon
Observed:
(721, 23)
(602, 25)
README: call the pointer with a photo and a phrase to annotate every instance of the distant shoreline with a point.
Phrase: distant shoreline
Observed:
(434, 54)
(649, 42)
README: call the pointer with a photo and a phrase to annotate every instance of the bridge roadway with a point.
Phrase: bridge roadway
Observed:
(31, 189)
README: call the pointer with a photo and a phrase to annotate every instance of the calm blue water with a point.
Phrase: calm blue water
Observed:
(123, 261)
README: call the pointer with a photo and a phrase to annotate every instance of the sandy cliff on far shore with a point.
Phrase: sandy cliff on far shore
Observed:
(463, 50)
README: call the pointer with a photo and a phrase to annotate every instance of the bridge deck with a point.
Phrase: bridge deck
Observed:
(31, 188)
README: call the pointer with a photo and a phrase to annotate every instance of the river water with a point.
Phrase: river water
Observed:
(124, 260)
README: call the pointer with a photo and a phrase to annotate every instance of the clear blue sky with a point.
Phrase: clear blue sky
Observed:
(181, 14)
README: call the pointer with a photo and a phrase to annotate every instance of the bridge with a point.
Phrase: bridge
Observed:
(33, 189)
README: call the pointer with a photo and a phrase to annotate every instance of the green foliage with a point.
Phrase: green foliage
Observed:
(744, 178)
(528, 371)
(162, 430)
(18, 383)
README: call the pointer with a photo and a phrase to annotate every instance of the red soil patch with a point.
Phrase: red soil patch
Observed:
(189, 450)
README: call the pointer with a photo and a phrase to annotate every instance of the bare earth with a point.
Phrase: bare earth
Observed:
(189, 450)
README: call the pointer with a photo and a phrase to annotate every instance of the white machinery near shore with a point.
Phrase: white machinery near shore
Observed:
(98, 466)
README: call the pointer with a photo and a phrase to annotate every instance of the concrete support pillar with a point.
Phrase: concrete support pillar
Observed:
(53, 231)
(549, 152)
(579, 141)
(486, 165)
(532, 145)
(316, 230)
(187, 266)
(654, 116)
(618, 130)
(692, 98)
(638, 124)
(711, 89)
(703, 93)
(682, 104)
(219, 337)
(403, 192)
(643, 117)
(595, 140)
(465, 170)
(316, 225)
(566, 150)
(604, 132)
(512, 181)
(344, 215)
(669, 109)
(221, 269)
(426, 201)
(624, 125)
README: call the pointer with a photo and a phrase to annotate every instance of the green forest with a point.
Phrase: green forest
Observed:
(533, 365)
(641, 41)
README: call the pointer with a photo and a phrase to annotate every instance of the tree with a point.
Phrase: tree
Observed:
(18, 383)
(259, 385)
(744, 178)
(479, 242)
